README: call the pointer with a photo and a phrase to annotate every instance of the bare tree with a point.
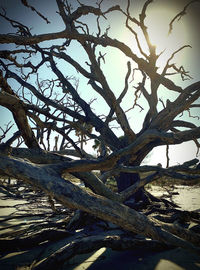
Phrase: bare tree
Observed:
(50, 112)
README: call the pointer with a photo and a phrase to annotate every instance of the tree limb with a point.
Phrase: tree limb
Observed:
(74, 197)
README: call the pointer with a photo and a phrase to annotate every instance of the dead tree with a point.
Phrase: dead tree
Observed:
(45, 108)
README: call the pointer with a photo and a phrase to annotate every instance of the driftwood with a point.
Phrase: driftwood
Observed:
(117, 240)
(74, 197)
(82, 233)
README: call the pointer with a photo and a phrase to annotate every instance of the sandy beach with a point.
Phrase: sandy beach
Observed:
(188, 198)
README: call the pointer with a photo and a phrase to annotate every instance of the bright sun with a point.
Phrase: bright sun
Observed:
(158, 28)
(157, 22)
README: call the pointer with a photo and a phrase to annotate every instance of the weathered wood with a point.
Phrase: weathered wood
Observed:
(50, 234)
(117, 240)
(74, 197)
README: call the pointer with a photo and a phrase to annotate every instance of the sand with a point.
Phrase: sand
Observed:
(188, 198)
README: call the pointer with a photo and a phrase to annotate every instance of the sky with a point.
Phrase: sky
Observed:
(160, 12)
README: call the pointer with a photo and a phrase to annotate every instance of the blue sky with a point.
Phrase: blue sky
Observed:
(185, 32)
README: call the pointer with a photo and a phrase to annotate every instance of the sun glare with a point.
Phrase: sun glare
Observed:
(158, 28)
(157, 22)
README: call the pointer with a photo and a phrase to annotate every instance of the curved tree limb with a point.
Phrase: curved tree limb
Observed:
(75, 198)
(21, 40)
(108, 163)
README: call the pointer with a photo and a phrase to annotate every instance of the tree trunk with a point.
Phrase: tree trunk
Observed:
(125, 180)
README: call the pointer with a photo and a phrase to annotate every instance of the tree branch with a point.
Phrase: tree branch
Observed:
(14, 104)
(180, 15)
(164, 118)
(149, 136)
(104, 41)
(74, 197)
